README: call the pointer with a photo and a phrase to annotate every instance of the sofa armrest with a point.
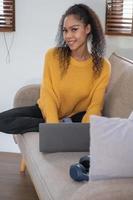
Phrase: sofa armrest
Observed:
(27, 95)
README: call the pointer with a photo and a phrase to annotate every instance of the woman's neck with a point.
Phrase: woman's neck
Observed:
(81, 55)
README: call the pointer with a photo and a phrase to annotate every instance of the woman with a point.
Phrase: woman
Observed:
(75, 78)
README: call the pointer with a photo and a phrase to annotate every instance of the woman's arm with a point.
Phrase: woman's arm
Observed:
(48, 101)
(97, 101)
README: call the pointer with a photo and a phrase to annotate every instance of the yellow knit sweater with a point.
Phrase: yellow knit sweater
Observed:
(79, 90)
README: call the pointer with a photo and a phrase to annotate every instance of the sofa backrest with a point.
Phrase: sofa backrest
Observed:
(119, 95)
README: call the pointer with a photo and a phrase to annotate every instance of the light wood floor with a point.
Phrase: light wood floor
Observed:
(14, 185)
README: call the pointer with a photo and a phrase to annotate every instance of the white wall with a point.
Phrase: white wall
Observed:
(36, 27)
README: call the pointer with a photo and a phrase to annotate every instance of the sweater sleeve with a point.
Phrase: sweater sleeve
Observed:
(48, 101)
(96, 105)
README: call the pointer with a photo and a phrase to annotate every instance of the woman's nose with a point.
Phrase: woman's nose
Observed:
(68, 34)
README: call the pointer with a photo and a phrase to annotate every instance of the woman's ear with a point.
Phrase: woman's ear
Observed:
(88, 28)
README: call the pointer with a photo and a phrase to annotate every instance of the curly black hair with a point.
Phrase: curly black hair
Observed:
(96, 37)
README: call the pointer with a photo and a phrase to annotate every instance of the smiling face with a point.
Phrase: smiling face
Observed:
(75, 33)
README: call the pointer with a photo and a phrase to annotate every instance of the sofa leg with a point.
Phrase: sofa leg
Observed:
(22, 166)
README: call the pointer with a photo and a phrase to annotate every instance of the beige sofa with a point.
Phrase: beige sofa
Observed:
(50, 172)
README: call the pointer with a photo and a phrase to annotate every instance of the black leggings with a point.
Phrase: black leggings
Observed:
(26, 119)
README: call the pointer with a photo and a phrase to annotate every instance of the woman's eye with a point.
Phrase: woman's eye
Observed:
(74, 29)
(64, 30)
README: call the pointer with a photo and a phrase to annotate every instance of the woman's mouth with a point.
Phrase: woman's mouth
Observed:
(70, 43)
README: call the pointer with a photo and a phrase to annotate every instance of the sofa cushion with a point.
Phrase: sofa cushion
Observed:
(50, 175)
(119, 96)
(116, 189)
(111, 148)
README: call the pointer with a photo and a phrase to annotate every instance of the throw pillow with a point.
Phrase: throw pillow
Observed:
(111, 147)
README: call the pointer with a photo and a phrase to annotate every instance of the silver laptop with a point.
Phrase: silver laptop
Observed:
(64, 137)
